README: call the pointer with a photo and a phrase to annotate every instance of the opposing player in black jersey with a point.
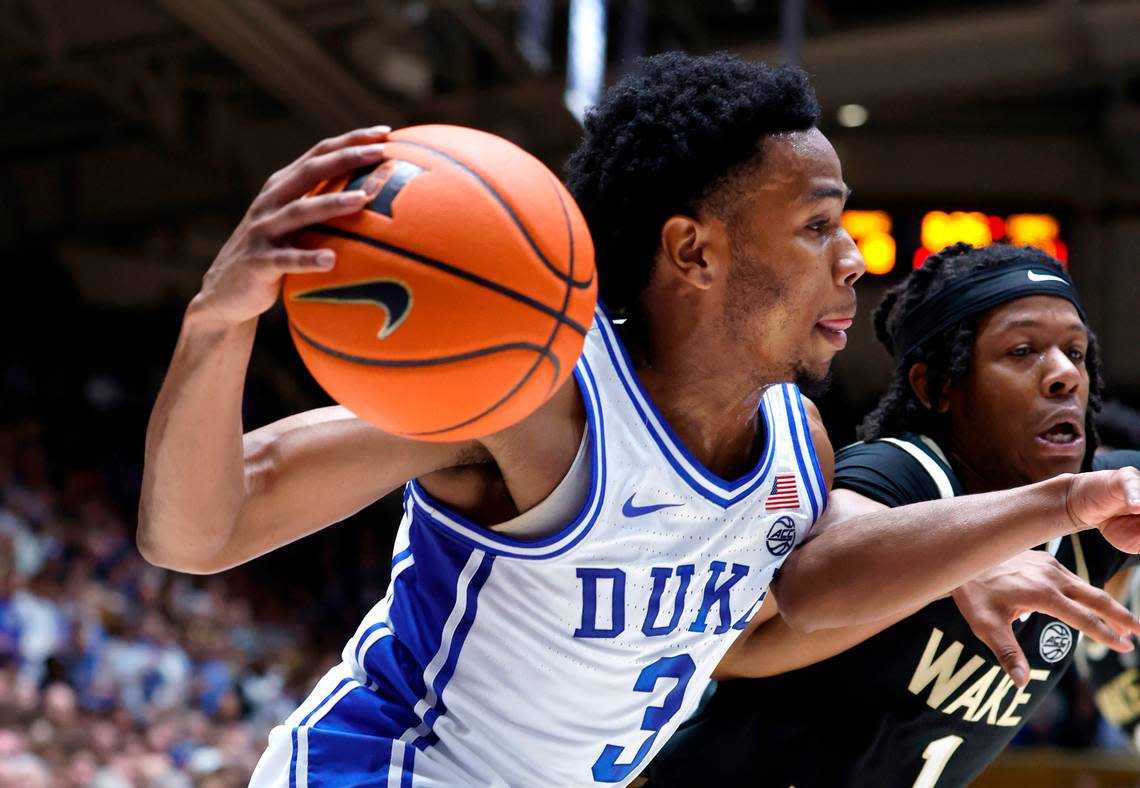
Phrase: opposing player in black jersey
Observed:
(995, 387)
(1115, 678)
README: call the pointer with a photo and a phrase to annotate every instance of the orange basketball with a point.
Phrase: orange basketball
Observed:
(461, 295)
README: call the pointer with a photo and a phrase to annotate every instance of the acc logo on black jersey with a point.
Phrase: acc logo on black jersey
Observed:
(781, 536)
(1056, 642)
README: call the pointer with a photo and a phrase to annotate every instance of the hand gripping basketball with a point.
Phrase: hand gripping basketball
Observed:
(1110, 501)
(245, 278)
(463, 291)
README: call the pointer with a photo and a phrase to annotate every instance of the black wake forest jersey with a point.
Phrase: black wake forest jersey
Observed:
(1114, 678)
(923, 703)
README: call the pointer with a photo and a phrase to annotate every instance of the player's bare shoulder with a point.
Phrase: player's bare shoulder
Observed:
(496, 477)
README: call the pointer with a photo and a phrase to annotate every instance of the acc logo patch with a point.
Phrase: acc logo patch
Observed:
(1056, 642)
(781, 536)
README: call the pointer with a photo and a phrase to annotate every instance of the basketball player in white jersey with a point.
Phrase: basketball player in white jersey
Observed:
(562, 590)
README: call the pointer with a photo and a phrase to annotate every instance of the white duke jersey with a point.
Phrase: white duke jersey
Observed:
(567, 660)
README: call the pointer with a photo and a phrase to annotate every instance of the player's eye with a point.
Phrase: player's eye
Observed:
(1077, 354)
(819, 225)
(1021, 351)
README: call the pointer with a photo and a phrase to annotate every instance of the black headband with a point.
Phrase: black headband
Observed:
(975, 293)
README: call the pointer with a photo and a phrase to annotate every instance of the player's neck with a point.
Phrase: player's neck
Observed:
(974, 478)
(708, 399)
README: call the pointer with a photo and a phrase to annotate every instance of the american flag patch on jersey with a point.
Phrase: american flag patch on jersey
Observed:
(784, 494)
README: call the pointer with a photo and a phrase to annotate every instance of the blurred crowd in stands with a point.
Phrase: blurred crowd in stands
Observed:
(115, 673)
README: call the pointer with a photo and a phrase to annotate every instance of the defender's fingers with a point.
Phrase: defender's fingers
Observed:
(1086, 620)
(1000, 639)
(304, 211)
(1116, 615)
(1131, 485)
(305, 175)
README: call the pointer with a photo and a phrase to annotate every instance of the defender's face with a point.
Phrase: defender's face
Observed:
(1019, 416)
(794, 267)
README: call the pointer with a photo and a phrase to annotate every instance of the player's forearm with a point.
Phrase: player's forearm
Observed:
(774, 647)
(194, 476)
(881, 564)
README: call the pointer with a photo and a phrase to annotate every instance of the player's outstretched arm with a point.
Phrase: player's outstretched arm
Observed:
(210, 499)
(881, 564)
(1032, 581)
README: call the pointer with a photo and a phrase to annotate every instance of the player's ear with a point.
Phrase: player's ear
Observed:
(691, 248)
(920, 385)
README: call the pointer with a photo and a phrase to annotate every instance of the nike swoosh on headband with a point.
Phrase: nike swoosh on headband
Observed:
(1036, 277)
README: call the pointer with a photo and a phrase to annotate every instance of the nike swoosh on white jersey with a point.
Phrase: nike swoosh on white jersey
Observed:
(1036, 277)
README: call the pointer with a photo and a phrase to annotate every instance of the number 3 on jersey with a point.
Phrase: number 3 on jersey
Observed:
(681, 668)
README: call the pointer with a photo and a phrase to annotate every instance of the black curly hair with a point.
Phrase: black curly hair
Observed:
(661, 142)
(948, 355)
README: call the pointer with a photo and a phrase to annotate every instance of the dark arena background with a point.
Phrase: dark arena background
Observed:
(135, 133)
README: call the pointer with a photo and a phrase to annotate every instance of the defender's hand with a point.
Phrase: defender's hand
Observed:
(245, 278)
(1034, 581)
(1110, 501)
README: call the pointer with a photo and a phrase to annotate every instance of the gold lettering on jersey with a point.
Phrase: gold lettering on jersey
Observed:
(1021, 698)
(974, 694)
(992, 706)
(980, 701)
(1119, 699)
(940, 671)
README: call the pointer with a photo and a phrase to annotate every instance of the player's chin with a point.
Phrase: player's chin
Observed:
(1050, 465)
(812, 374)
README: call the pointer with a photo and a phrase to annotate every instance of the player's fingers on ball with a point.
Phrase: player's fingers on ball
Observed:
(309, 210)
(305, 175)
(349, 138)
(299, 261)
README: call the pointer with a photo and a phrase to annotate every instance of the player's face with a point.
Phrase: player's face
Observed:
(791, 285)
(1019, 416)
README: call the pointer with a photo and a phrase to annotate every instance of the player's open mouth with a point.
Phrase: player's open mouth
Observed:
(835, 331)
(1062, 437)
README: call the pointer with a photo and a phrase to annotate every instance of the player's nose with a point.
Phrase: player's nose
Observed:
(849, 263)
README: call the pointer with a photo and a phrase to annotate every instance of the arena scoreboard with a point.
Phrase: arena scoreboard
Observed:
(884, 237)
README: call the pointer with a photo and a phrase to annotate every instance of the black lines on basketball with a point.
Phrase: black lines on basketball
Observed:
(453, 270)
(492, 305)
(568, 278)
(427, 362)
(545, 350)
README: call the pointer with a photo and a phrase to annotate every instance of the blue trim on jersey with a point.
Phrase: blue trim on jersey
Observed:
(705, 482)
(427, 509)
(357, 742)
(812, 453)
(400, 556)
(459, 637)
(364, 637)
(301, 724)
(409, 767)
(808, 487)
